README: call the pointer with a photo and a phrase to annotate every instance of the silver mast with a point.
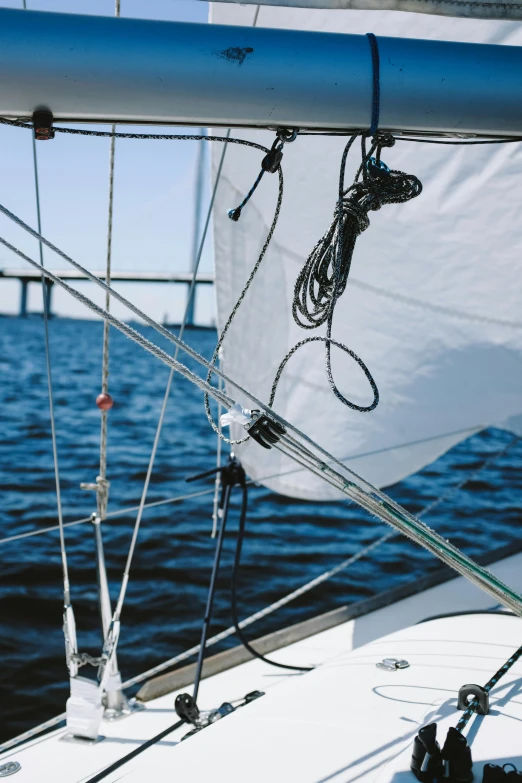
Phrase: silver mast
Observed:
(140, 71)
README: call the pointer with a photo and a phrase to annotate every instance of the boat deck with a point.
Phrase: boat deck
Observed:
(313, 719)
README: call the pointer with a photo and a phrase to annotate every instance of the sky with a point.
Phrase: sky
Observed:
(154, 197)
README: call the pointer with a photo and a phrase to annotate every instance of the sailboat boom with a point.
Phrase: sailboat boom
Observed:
(104, 69)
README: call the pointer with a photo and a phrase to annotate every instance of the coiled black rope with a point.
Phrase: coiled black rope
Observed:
(323, 278)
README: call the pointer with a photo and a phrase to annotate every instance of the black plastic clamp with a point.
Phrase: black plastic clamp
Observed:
(426, 759)
(456, 757)
(265, 430)
(471, 693)
(272, 160)
(43, 125)
(493, 773)
(512, 775)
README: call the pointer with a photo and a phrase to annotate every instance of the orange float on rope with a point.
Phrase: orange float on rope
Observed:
(104, 402)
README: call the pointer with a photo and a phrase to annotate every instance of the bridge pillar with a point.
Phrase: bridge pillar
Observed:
(48, 292)
(191, 305)
(23, 298)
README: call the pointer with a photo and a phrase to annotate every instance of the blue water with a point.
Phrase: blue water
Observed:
(289, 541)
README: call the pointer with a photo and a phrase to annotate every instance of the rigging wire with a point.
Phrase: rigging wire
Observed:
(451, 491)
(310, 456)
(217, 480)
(275, 605)
(122, 512)
(69, 628)
(398, 136)
(46, 293)
(130, 555)
(103, 485)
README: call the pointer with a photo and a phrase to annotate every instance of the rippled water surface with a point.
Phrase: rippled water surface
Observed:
(289, 541)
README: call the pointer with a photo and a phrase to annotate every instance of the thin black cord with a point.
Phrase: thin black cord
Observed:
(211, 591)
(117, 764)
(235, 576)
(195, 137)
(464, 142)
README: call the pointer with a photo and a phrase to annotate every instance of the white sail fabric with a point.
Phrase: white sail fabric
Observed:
(433, 301)
(471, 9)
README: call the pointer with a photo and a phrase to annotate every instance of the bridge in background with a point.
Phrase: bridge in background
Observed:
(26, 276)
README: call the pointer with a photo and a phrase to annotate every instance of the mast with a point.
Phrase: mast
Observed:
(104, 69)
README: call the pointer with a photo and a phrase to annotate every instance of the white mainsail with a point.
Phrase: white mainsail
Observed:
(433, 301)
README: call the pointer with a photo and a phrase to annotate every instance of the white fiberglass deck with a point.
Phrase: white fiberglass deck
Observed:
(345, 721)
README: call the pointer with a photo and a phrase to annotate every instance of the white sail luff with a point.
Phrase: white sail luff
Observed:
(128, 70)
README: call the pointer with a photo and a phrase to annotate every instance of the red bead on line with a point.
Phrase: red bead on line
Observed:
(104, 402)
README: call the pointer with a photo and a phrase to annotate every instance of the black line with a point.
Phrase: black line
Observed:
(117, 764)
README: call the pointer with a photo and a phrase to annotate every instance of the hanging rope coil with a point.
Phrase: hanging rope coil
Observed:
(323, 278)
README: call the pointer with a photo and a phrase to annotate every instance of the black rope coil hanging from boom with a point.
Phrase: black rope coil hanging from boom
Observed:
(323, 278)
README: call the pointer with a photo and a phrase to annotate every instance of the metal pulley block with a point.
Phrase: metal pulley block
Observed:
(264, 430)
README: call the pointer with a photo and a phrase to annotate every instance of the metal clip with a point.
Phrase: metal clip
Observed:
(392, 664)
(9, 769)
(376, 168)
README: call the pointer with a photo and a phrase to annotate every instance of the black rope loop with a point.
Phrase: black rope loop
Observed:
(329, 342)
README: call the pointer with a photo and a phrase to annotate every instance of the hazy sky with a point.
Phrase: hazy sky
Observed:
(153, 197)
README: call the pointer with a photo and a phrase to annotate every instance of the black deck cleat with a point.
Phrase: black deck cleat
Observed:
(426, 759)
(456, 756)
(493, 774)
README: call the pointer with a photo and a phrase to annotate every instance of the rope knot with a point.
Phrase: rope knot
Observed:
(383, 140)
(359, 215)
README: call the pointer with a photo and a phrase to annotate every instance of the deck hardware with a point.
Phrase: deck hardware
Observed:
(221, 712)
(392, 664)
(493, 773)
(253, 695)
(456, 757)
(426, 759)
(43, 125)
(471, 693)
(264, 430)
(77, 740)
(9, 769)
(187, 709)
